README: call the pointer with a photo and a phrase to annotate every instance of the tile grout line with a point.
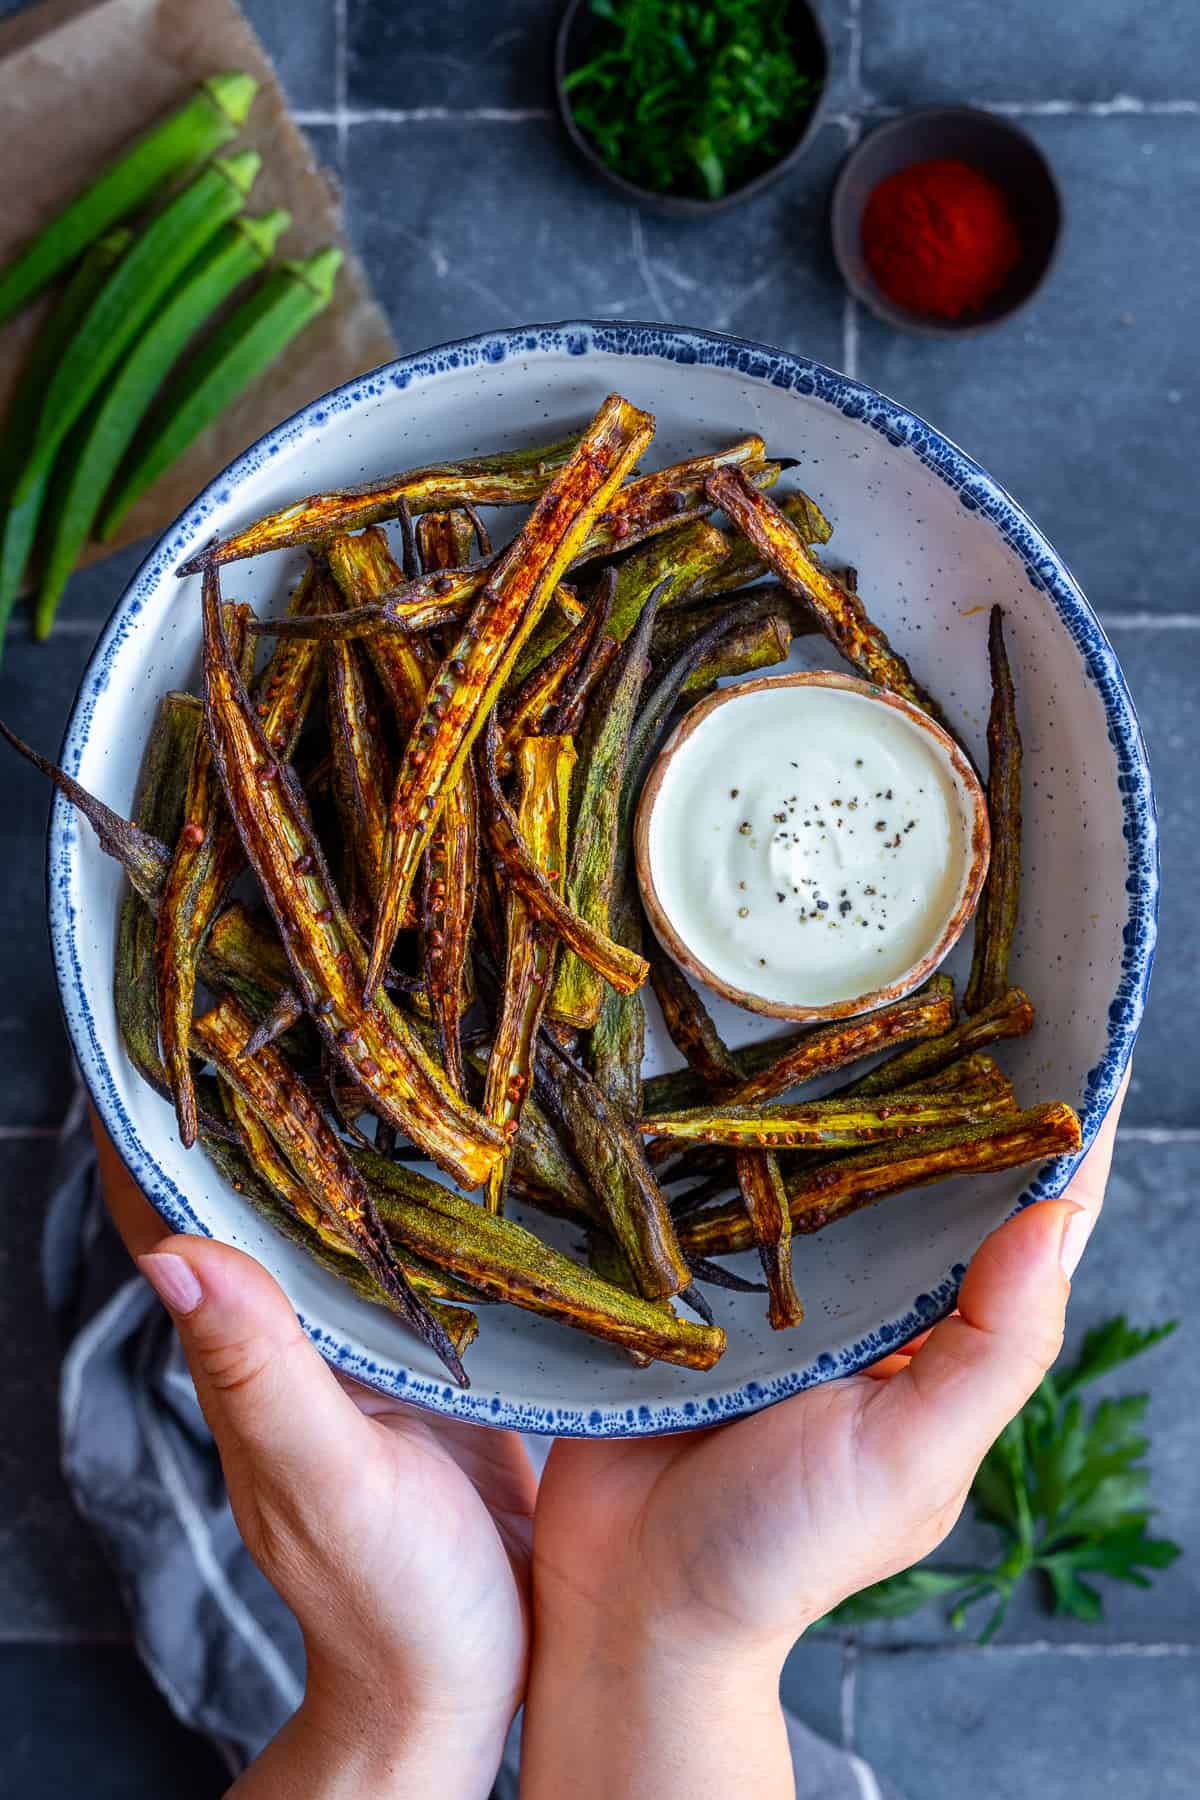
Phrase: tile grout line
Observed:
(1158, 1134)
(346, 116)
(341, 86)
(848, 1692)
(1147, 621)
(1172, 1650)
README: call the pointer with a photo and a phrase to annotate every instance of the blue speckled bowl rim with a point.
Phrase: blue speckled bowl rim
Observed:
(976, 491)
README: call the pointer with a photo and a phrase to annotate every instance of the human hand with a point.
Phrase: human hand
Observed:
(672, 1575)
(400, 1541)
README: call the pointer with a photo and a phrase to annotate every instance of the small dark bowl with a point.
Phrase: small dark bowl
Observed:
(573, 47)
(989, 143)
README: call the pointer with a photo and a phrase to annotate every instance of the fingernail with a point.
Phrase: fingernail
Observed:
(1076, 1232)
(172, 1280)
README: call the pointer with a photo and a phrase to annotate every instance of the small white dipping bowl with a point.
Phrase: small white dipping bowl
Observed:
(673, 860)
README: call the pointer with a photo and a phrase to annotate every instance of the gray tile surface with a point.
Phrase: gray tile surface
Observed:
(1084, 404)
(524, 233)
(1162, 670)
(1012, 1725)
(300, 40)
(52, 1576)
(37, 686)
(451, 53)
(83, 1720)
(1133, 1266)
(1030, 51)
(812, 1685)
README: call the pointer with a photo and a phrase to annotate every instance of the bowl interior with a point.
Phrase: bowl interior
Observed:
(935, 543)
(993, 145)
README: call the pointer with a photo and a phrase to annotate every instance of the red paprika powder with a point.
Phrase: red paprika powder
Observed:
(939, 238)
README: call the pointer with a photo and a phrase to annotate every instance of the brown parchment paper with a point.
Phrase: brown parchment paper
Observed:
(78, 79)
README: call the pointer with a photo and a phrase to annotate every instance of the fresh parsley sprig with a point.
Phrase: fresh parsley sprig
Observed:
(690, 96)
(1068, 1490)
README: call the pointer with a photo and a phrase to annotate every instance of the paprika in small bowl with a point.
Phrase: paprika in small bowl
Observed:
(945, 220)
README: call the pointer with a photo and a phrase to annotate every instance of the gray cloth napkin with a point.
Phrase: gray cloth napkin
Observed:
(144, 1472)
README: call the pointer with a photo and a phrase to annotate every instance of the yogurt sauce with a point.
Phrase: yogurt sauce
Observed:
(808, 844)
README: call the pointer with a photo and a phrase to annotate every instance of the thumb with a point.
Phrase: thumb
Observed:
(276, 1411)
(977, 1369)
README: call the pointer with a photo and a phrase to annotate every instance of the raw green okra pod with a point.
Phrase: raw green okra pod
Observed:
(247, 344)
(205, 121)
(129, 297)
(243, 247)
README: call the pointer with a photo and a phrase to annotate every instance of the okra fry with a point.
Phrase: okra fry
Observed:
(608, 1152)
(144, 858)
(756, 643)
(616, 1047)
(596, 805)
(672, 496)
(542, 802)
(450, 887)
(996, 918)
(234, 1166)
(287, 1011)
(840, 613)
(465, 690)
(742, 564)
(553, 680)
(692, 1031)
(444, 539)
(207, 856)
(158, 807)
(817, 1124)
(541, 1170)
(506, 1262)
(607, 1259)
(510, 478)
(1009, 1016)
(621, 968)
(360, 774)
(669, 564)
(926, 1014)
(739, 610)
(810, 1051)
(376, 1044)
(819, 1196)
(363, 567)
(319, 1158)
(716, 1276)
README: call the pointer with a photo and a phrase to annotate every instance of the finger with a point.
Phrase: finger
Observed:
(979, 1367)
(887, 1366)
(132, 1214)
(269, 1399)
(1088, 1184)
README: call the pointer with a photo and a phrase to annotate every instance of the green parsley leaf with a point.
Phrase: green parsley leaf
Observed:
(1069, 1492)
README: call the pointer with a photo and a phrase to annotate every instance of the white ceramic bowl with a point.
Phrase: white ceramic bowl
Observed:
(936, 541)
